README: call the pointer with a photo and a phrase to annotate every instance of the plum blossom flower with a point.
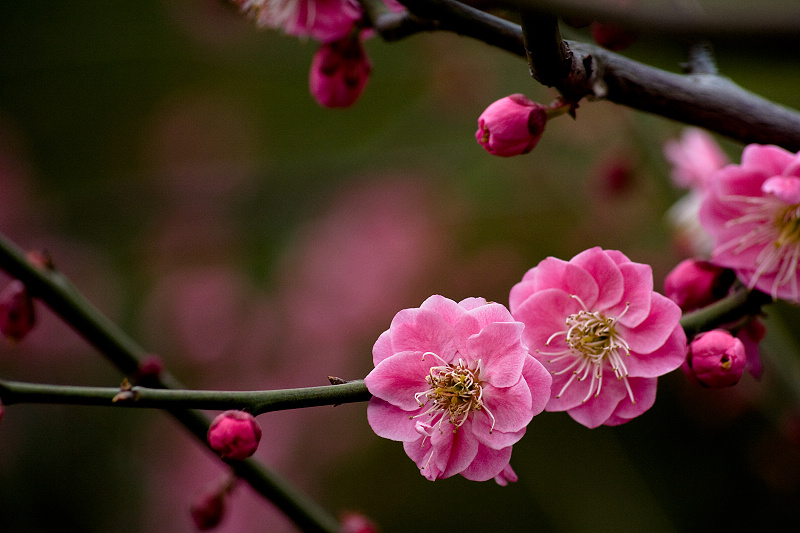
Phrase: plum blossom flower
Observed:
(454, 383)
(752, 212)
(324, 20)
(595, 323)
(511, 126)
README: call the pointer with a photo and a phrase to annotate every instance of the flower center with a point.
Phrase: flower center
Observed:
(453, 392)
(775, 227)
(592, 344)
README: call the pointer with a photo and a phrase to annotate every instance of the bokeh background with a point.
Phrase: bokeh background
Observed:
(168, 156)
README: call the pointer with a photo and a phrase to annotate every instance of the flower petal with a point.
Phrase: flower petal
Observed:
(487, 464)
(398, 378)
(389, 421)
(665, 359)
(638, 281)
(383, 347)
(656, 329)
(607, 275)
(599, 408)
(445, 307)
(539, 382)
(554, 273)
(644, 390)
(499, 348)
(510, 407)
(422, 330)
(464, 449)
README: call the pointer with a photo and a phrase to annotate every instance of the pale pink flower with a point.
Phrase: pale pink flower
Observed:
(339, 72)
(695, 158)
(752, 212)
(455, 384)
(324, 20)
(598, 327)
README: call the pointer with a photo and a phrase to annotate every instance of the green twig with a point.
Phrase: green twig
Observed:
(730, 309)
(58, 293)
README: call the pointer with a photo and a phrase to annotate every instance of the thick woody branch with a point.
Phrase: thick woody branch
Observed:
(704, 100)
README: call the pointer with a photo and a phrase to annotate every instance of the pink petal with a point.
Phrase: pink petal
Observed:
(519, 293)
(644, 390)
(510, 406)
(445, 307)
(472, 303)
(487, 464)
(607, 275)
(543, 314)
(382, 348)
(598, 409)
(391, 422)
(552, 273)
(500, 349)
(786, 189)
(422, 330)
(638, 280)
(539, 382)
(769, 159)
(656, 329)
(419, 452)
(464, 449)
(497, 440)
(396, 379)
(664, 359)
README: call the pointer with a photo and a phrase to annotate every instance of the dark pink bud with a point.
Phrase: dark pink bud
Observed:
(694, 283)
(511, 126)
(209, 508)
(339, 71)
(612, 36)
(357, 523)
(716, 359)
(17, 316)
(150, 369)
(234, 435)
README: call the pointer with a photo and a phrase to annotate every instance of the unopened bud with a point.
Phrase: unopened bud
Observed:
(716, 359)
(208, 509)
(150, 369)
(694, 283)
(511, 126)
(339, 71)
(234, 435)
(17, 316)
(357, 523)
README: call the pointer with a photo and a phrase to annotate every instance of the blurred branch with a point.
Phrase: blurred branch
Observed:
(256, 402)
(681, 18)
(704, 100)
(57, 292)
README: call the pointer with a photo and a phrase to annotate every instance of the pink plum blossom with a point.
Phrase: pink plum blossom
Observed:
(339, 72)
(323, 20)
(595, 323)
(511, 126)
(454, 383)
(695, 158)
(752, 212)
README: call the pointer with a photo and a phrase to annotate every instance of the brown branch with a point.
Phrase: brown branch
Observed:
(704, 100)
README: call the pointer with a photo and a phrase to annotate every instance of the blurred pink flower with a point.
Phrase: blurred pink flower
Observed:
(511, 126)
(694, 283)
(339, 72)
(593, 317)
(324, 20)
(694, 158)
(752, 212)
(455, 384)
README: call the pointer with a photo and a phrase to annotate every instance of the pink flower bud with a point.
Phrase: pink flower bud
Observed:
(511, 126)
(150, 369)
(209, 509)
(612, 36)
(17, 316)
(694, 283)
(234, 435)
(716, 359)
(357, 523)
(339, 71)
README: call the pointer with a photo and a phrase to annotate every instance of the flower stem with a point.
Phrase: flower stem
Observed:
(733, 307)
(255, 402)
(55, 290)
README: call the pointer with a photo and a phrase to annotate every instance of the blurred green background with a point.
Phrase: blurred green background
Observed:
(169, 157)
